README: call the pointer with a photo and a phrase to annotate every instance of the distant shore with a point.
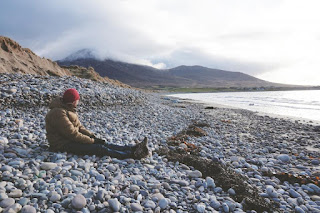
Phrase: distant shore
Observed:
(231, 89)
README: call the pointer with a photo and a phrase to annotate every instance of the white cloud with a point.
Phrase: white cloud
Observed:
(266, 38)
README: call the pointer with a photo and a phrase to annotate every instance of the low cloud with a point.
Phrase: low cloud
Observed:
(194, 56)
(253, 37)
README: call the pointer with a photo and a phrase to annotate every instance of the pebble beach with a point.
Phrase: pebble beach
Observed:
(280, 158)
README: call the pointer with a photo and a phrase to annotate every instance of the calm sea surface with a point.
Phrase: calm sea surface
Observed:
(299, 104)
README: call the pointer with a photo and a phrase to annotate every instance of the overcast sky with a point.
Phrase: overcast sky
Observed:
(275, 40)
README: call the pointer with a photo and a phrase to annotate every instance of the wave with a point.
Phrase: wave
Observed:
(305, 104)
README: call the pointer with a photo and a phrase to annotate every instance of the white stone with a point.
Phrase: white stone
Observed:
(158, 196)
(3, 140)
(134, 188)
(210, 182)
(55, 197)
(195, 174)
(15, 193)
(48, 165)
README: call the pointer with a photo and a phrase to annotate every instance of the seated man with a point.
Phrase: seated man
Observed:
(65, 132)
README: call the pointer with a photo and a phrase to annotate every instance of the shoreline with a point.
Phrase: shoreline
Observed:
(222, 106)
(222, 90)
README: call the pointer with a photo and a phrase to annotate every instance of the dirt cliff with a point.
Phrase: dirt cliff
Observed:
(16, 59)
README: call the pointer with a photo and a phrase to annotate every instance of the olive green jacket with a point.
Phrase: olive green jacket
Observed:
(63, 126)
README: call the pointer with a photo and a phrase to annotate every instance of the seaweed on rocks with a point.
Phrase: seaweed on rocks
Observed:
(225, 177)
(294, 178)
(195, 130)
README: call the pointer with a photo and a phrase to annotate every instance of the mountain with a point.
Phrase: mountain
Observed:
(16, 59)
(220, 78)
(183, 76)
(132, 74)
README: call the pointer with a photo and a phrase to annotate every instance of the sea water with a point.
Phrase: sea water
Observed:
(303, 104)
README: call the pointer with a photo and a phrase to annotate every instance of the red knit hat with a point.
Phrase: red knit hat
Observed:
(70, 95)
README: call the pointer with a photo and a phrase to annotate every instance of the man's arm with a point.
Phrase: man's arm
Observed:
(84, 131)
(66, 128)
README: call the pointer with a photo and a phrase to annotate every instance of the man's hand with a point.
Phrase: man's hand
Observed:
(99, 141)
(92, 136)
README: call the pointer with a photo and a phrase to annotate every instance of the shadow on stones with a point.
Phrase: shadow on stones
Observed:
(224, 176)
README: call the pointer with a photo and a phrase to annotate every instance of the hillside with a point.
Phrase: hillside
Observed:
(146, 76)
(19, 60)
(15, 59)
(91, 74)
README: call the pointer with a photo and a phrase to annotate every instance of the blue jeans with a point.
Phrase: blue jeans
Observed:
(112, 150)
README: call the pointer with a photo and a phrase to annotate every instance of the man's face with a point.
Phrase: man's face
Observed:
(75, 103)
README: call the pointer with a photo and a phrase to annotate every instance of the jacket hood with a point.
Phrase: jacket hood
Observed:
(57, 103)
